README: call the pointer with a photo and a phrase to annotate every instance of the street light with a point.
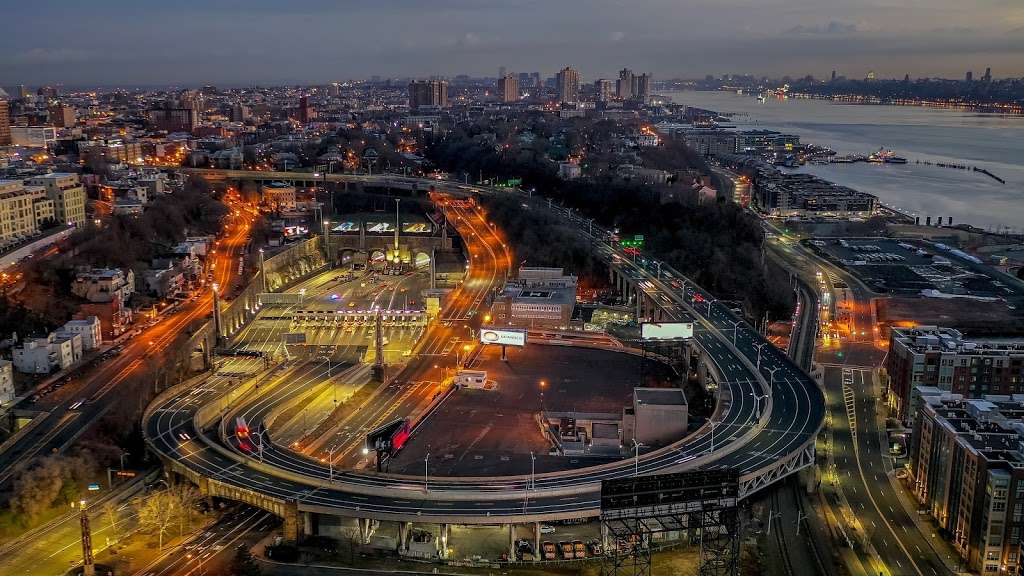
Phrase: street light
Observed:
(533, 471)
(426, 482)
(330, 462)
(758, 398)
(636, 457)
(759, 346)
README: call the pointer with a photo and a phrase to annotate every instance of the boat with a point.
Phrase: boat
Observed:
(886, 156)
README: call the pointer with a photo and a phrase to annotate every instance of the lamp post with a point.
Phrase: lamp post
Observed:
(543, 385)
(758, 398)
(771, 377)
(759, 346)
(426, 478)
(533, 471)
(636, 457)
(330, 461)
(735, 330)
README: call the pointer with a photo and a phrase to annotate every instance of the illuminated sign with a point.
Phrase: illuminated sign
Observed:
(503, 337)
(292, 231)
(379, 227)
(415, 227)
(346, 227)
(666, 330)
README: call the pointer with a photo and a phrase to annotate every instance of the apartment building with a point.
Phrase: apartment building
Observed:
(67, 193)
(944, 359)
(967, 471)
(23, 210)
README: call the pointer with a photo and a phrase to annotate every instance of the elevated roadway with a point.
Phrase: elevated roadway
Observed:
(768, 415)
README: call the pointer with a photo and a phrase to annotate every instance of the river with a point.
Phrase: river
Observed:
(991, 141)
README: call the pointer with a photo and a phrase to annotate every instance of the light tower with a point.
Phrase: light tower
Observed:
(88, 566)
(263, 272)
(378, 361)
(216, 316)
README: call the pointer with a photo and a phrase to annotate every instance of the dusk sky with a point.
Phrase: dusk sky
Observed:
(118, 42)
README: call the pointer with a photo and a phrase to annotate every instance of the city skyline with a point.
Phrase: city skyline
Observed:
(228, 42)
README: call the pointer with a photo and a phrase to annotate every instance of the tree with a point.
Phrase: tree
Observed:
(243, 564)
(158, 512)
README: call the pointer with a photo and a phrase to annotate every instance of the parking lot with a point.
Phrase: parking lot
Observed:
(493, 432)
(906, 267)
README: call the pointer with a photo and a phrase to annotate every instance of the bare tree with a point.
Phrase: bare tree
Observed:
(157, 512)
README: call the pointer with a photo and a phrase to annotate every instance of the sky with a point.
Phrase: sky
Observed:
(239, 42)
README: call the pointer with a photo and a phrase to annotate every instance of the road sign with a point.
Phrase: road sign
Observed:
(94, 487)
(638, 237)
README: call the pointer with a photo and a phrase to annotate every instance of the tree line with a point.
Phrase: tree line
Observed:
(716, 243)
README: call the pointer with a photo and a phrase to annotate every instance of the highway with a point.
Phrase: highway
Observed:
(96, 388)
(764, 435)
(860, 484)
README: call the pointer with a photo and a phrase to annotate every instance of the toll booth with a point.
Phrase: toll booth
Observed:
(476, 379)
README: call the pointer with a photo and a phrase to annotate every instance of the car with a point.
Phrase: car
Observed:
(547, 529)
(351, 304)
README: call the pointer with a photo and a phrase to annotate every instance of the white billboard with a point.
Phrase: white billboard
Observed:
(502, 336)
(666, 330)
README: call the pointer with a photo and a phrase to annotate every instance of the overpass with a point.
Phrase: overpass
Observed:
(766, 423)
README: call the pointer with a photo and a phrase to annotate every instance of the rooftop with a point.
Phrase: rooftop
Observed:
(660, 396)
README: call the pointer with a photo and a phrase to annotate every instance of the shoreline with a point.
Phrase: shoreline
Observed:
(889, 203)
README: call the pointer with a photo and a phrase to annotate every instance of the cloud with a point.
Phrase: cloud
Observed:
(53, 56)
(468, 39)
(832, 28)
(617, 36)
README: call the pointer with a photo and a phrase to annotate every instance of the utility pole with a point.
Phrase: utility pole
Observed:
(88, 566)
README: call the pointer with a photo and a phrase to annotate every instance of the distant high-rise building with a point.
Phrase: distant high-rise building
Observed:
(642, 87)
(508, 88)
(22, 91)
(429, 93)
(625, 84)
(568, 82)
(62, 116)
(833, 76)
(969, 77)
(307, 113)
(603, 90)
(535, 81)
(870, 76)
(175, 119)
(988, 75)
(240, 112)
(525, 82)
(333, 90)
(5, 124)
(501, 72)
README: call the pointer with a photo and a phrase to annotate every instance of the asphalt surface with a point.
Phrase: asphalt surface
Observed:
(862, 489)
(96, 388)
(795, 414)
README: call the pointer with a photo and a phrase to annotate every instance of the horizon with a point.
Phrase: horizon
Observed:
(229, 42)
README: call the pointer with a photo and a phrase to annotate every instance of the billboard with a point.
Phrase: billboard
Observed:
(666, 330)
(502, 336)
